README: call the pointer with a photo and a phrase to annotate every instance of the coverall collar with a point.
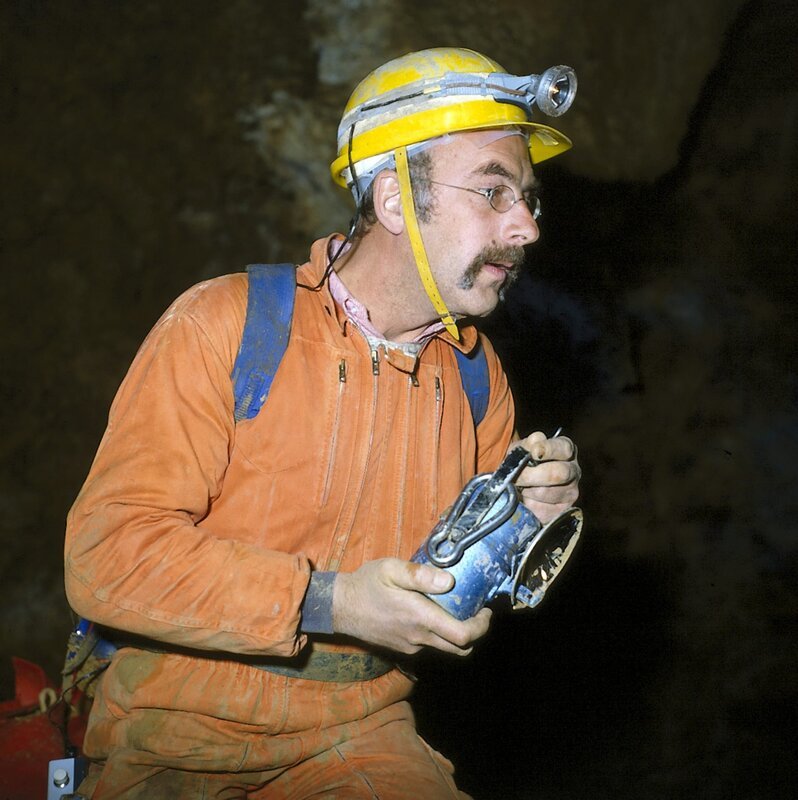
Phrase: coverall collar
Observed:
(319, 259)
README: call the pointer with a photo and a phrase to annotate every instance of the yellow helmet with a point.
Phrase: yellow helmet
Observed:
(426, 94)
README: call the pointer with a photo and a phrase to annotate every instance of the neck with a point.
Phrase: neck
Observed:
(380, 272)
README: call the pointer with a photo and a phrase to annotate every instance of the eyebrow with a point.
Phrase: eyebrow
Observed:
(493, 168)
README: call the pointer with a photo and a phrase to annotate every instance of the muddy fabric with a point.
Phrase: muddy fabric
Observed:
(224, 715)
(383, 759)
(200, 533)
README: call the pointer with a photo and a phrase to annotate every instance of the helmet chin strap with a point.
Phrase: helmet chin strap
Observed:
(419, 253)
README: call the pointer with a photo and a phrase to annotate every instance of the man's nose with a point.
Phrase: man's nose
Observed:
(521, 228)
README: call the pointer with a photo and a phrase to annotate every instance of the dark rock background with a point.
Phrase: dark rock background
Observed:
(146, 146)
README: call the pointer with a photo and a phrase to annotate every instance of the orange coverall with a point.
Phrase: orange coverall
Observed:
(201, 533)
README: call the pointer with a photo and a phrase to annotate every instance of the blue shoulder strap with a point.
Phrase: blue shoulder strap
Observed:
(476, 380)
(270, 306)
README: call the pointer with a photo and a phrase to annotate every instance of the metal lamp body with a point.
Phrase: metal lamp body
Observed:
(518, 556)
(486, 567)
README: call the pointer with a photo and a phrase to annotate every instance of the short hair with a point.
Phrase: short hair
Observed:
(420, 168)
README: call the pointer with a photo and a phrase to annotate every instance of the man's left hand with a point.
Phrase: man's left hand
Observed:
(552, 486)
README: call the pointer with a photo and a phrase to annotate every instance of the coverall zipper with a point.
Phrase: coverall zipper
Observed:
(334, 440)
(400, 500)
(339, 546)
(437, 441)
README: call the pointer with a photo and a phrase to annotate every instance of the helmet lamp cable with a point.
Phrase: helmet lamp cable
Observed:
(352, 224)
(341, 248)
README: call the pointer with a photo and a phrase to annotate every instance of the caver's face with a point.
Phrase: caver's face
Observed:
(474, 251)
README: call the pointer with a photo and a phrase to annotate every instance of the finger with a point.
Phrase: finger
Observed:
(549, 473)
(561, 448)
(550, 495)
(458, 636)
(546, 512)
(530, 442)
(445, 646)
(481, 622)
(543, 448)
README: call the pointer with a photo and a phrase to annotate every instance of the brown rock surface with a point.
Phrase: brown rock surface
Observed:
(146, 146)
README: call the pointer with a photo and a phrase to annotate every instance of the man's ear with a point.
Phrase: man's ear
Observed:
(388, 201)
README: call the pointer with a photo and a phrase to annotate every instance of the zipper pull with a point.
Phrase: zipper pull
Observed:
(437, 389)
(414, 379)
(375, 363)
(342, 371)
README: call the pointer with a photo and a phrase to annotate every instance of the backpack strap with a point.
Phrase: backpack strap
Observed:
(270, 306)
(476, 380)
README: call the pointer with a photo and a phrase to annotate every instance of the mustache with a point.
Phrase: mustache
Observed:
(492, 254)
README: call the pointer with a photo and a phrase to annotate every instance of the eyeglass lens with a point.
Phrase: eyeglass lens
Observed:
(503, 198)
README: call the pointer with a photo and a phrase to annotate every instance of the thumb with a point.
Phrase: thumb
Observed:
(428, 579)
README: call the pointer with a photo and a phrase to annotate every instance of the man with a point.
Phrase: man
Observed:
(255, 574)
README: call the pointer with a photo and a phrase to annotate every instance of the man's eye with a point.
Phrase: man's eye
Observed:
(498, 191)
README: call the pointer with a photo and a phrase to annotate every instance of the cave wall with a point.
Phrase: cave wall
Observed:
(148, 146)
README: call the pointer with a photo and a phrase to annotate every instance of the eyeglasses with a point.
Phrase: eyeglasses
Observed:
(502, 198)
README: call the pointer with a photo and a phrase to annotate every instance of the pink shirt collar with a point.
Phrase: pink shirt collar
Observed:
(358, 314)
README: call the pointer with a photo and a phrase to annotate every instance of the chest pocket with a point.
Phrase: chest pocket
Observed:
(296, 427)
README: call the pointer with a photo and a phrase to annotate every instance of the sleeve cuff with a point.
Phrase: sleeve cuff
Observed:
(317, 606)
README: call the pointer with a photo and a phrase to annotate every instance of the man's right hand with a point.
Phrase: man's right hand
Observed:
(383, 603)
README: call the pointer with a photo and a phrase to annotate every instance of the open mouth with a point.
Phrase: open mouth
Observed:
(497, 269)
(501, 265)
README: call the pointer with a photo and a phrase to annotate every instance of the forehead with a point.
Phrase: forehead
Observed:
(502, 152)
